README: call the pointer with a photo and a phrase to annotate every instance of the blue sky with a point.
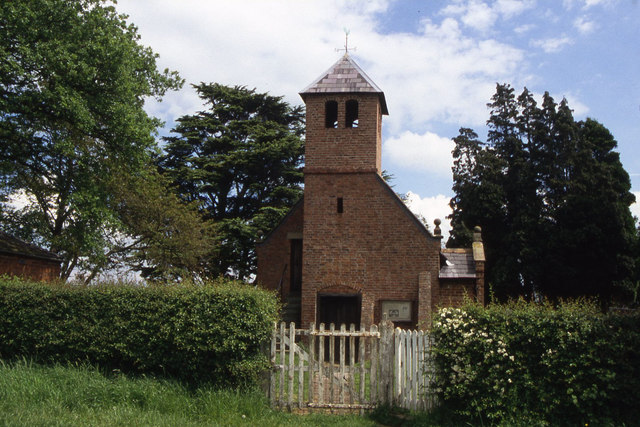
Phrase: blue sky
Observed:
(437, 61)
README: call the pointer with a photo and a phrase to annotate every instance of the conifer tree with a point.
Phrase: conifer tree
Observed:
(241, 159)
(552, 198)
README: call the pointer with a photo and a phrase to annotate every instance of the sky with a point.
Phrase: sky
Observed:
(437, 62)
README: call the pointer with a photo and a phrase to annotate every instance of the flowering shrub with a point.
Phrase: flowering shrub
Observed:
(538, 363)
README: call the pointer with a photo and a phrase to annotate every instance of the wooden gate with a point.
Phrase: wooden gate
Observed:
(414, 370)
(361, 368)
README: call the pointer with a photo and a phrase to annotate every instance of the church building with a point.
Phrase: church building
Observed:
(351, 251)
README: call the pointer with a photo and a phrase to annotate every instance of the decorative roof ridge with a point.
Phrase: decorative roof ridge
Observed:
(343, 58)
(456, 250)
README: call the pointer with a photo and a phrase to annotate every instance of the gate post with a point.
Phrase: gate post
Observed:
(387, 356)
(272, 359)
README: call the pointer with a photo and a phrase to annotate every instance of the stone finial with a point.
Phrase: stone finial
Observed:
(477, 234)
(477, 246)
(437, 231)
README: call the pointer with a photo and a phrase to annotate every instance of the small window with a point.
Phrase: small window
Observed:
(331, 114)
(295, 284)
(351, 114)
(340, 205)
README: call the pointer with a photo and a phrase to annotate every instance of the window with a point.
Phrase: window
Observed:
(340, 205)
(351, 114)
(331, 114)
(296, 266)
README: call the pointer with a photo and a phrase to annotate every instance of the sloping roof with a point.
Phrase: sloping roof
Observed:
(299, 205)
(345, 76)
(14, 246)
(412, 217)
(457, 264)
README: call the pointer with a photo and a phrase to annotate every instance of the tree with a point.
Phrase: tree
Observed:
(551, 196)
(73, 79)
(157, 234)
(242, 161)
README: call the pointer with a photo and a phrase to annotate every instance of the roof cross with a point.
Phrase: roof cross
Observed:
(346, 43)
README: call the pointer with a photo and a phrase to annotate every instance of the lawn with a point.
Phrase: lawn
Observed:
(36, 395)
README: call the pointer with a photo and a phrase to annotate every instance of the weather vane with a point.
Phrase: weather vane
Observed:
(346, 42)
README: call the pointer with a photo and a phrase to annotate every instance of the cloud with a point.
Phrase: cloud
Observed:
(425, 153)
(511, 8)
(273, 46)
(482, 16)
(521, 29)
(479, 16)
(584, 25)
(635, 207)
(552, 45)
(592, 3)
(580, 110)
(281, 46)
(431, 208)
(440, 75)
(585, 4)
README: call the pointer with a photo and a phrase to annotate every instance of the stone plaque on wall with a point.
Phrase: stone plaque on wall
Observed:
(397, 311)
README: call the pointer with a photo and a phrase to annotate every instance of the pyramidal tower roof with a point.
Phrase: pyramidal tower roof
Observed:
(345, 76)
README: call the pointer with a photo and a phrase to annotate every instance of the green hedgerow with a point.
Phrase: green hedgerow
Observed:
(198, 333)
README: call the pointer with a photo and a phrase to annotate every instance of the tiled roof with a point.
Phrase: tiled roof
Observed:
(457, 264)
(13, 246)
(345, 76)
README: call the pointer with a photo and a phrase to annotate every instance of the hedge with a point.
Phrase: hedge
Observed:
(538, 364)
(199, 334)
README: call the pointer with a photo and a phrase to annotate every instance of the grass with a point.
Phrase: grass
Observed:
(36, 395)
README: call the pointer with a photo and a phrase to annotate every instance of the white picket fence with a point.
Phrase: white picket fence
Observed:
(349, 369)
(413, 370)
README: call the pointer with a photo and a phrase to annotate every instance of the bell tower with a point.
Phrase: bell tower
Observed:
(342, 181)
(344, 121)
(351, 251)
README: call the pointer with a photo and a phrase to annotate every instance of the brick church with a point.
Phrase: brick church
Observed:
(350, 250)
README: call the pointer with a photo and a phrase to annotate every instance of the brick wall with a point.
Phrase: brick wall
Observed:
(343, 149)
(454, 292)
(274, 253)
(358, 237)
(374, 247)
(479, 283)
(29, 268)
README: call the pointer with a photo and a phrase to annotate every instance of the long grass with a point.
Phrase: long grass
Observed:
(36, 395)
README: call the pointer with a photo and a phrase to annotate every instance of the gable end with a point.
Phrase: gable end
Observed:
(410, 215)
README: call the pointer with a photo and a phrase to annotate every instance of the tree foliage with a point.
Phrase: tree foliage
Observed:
(551, 196)
(241, 160)
(73, 79)
(537, 364)
(157, 234)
